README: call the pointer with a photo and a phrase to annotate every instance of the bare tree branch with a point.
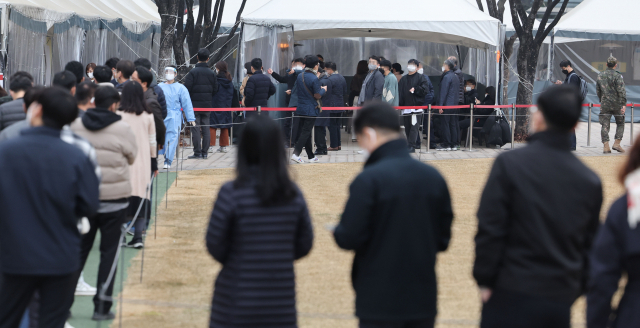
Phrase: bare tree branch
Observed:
(532, 14)
(493, 10)
(540, 37)
(216, 30)
(513, 4)
(480, 5)
(501, 10)
(227, 43)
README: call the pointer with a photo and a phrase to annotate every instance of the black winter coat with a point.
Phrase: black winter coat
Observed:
(449, 90)
(420, 85)
(338, 92)
(616, 250)
(323, 117)
(258, 90)
(154, 105)
(460, 77)
(11, 112)
(256, 247)
(538, 215)
(202, 85)
(222, 99)
(397, 218)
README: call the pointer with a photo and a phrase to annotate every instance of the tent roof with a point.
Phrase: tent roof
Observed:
(433, 21)
(141, 11)
(601, 20)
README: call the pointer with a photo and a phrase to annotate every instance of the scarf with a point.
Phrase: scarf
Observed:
(632, 183)
(363, 91)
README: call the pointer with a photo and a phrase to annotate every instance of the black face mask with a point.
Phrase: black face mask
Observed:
(565, 72)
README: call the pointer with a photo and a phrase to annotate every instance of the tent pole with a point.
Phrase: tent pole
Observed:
(552, 46)
(488, 54)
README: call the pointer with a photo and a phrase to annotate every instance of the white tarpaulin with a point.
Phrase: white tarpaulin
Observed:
(614, 20)
(454, 22)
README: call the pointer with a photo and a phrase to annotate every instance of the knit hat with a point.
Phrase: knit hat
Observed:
(612, 60)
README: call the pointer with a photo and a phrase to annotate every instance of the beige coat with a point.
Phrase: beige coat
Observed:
(116, 149)
(144, 129)
(242, 86)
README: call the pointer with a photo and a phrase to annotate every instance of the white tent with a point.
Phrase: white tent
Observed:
(602, 20)
(454, 22)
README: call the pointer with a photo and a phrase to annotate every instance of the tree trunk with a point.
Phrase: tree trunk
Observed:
(178, 42)
(227, 44)
(507, 52)
(527, 62)
(167, 10)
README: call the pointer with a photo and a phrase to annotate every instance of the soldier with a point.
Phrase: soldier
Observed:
(613, 101)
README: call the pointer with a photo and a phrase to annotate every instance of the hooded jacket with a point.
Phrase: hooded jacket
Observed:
(115, 146)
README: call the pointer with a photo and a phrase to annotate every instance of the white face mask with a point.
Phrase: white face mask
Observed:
(217, 71)
(468, 89)
(244, 71)
(372, 67)
(421, 71)
(411, 68)
(90, 75)
(170, 76)
(443, 68)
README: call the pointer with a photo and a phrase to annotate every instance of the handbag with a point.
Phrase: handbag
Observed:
(318, 101)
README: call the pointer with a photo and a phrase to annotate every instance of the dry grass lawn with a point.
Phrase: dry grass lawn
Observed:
(179, 273)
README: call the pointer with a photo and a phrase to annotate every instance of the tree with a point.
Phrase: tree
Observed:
(168, 10)
(530, 44)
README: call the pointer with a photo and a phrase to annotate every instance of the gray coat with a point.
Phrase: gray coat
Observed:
(11, 112)
(449, 90)
(373, 89)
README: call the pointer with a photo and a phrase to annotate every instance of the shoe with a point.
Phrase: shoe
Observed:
(194, 156)
(320, 153)
(166, 166)
(314, 160)
(455, 148)
(84, 289)
(354, 140)
(297, 159)
(360, 152)
(412, 150)
(67, 325)
(222, 150)
(102, 317)
(606, 150)
(447, 149)
(334, 149)
(211, 150)
(617, 147)
(135, 244)
(440, 148)
(205, 156)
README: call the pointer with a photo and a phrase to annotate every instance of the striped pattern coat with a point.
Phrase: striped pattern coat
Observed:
(256, 246)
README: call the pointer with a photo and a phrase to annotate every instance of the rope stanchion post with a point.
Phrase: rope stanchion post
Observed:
(428, 130)
(632, 119)
(470, 136)
(589, 127)
(513, 126)
(259, 109)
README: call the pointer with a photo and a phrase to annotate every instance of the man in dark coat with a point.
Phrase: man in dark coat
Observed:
(411, 92)
(373, 84)
(574, 80)
(396, 226)
(145, 78)
(202, 85)
(449, 94)
(297, 66)
(41, 203)
(339, 92)
(146, 63)
(538, 216)
(259, 87)
(13, 111)
(323, 120)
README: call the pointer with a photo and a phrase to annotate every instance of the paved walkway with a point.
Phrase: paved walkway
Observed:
(349, 152)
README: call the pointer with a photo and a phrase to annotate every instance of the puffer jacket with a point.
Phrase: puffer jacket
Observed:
(202, 85)
(115, 146)
(338, 91)
(222, 99)
(460, 77)
(11, 112)
(258, 90)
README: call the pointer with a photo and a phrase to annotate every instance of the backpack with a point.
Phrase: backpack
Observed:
(583, 87)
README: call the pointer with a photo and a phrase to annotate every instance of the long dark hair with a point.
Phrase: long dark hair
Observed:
(490, 99)
(223, 69)
(133, 99)
(262, 160)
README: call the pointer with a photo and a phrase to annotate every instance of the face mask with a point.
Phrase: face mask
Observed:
(443, 68)
(468, 89)
(411, 68)
(169, 76)
(90, 75)
(372, 67)
(565, 72)
(421, 71)
(487, 95)
(244, 71)
(298, 68)
(217, 71)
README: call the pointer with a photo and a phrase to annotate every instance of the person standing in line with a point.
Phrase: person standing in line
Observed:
(613, 101)
(395, 225)
(88, 70)
(116, 149)
(14, 129)
(449, 93)
(85, 96)
(13, 111)
(259, 87)
(202, 84)
(536, 223)
(224, 98)
(411, 91)
(134, 111)
(397, 71)
(456, 117)
(65, 80)
(297, 67)
(143, 76)
(102, 75)
(259, 226)
(616, 252)
(574, 80)
(41, 204)
(323, 121)
(112, 63)
(124, 70)
(146, 63)
(337, 96)
(177, 97)
(356, 88)
(77, 69)
(247, 74)
(309, 91)
(373, 83)
(390, 89)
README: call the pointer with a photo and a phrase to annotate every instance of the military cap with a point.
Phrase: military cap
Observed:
(612, 60)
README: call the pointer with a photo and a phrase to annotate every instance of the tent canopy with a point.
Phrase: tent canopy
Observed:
(435, 21)
(601, 20)
(131, 11)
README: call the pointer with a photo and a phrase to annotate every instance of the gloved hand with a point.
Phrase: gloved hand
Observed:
(191, 123)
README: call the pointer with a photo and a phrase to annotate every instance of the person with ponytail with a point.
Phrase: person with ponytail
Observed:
(222, 99)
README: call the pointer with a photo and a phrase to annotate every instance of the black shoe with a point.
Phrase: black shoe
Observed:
(204, 156)
(137, 244)
(102, 317)
(412, 150)
(194, 156)
(320, 153)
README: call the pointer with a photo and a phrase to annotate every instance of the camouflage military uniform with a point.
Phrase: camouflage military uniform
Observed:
(613, 96)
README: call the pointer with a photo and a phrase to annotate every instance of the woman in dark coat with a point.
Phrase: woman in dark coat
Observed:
(222, 99)
(616, 251)
(259, 226)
